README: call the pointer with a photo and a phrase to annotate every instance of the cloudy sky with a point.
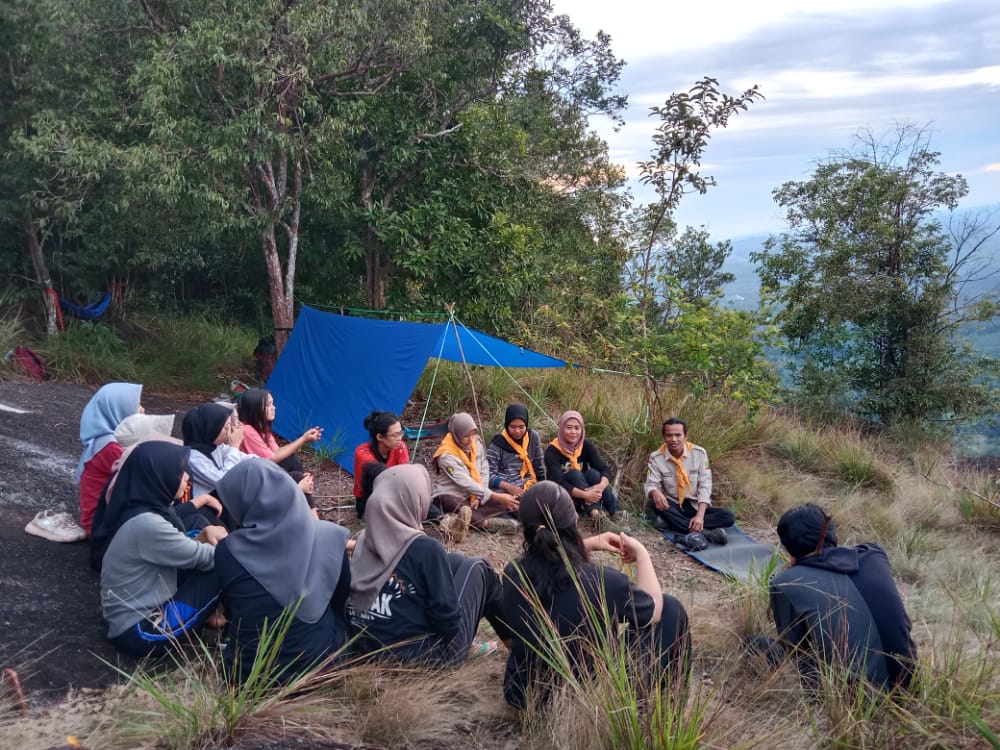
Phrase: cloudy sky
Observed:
(826, 68)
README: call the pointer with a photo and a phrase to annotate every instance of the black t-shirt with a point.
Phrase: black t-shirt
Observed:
(622, 600)
(556, 464)
(248, 605)
(417, 608)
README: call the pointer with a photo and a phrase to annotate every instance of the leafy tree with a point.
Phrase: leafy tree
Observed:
(870, 284)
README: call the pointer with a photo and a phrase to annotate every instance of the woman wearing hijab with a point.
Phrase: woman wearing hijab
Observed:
(281, 559)
(214, 433)
(386, 448)
(256, 411)
(101, 416)
(410, 599)
(462, 478)
(515, 454)
(157, 584)
(133, 431)
(573, 462)
(555, 572)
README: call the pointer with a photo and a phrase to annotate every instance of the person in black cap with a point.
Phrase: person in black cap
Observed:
(839, 604)
(555, 567)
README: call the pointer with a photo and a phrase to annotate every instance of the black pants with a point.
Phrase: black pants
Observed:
(183, 614)
(678, 517)
(583, 480)
(480, 595)
(451, 503)
(664, 650)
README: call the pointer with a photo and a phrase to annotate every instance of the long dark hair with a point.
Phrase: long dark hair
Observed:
(252, 410)
(378, 423)
(545, 557)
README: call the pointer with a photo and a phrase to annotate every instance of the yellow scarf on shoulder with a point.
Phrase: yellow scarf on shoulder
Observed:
(522, 453)
(448, 445)
(574, 457)
(683, 480)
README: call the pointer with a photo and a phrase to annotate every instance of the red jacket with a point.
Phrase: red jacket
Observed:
(364, 453)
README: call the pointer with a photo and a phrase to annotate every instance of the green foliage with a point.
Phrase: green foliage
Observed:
(193, 353)
(199, 704)
(870, 286)
(840, 455)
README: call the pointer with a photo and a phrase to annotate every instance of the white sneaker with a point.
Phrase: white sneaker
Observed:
(56, 527)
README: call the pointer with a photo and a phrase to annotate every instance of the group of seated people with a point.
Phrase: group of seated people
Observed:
(219, 528)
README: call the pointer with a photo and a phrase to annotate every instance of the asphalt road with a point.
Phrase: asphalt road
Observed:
(52, 631)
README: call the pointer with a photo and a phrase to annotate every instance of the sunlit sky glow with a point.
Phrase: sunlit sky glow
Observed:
(826, 67)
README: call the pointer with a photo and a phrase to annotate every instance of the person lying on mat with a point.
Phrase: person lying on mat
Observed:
(462, 479)
(281, 561)
(839, 605)
(256, 412)
(573, 462)
(515, 454)
(412, 601)
(214, 433)
(555, 571)
(157, 584)
(385, 447)
(101, 416)
(679, 487)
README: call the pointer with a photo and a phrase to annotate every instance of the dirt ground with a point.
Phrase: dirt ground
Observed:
(53, 634)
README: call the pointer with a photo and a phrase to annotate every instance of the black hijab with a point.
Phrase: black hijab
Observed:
(202, 425)
(514, 411)
(147, 483)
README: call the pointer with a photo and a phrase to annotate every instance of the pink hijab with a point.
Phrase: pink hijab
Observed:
(563, 440)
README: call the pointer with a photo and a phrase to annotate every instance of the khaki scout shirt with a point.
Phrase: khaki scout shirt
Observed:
(662, 475)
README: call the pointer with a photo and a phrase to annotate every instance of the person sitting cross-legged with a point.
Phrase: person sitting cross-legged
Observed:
(679, 487)
(462, 479)
(839, 605)
(573, 462)
(555, 589)
(280, 562)
(411, 600)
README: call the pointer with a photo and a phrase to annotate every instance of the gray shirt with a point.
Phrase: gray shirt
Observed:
(662, 475)
(139, 572)
(206, 471)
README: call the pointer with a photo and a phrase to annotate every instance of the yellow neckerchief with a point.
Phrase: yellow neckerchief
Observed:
(448, 445)
(522, 452)
(574, 458)
(683, 480)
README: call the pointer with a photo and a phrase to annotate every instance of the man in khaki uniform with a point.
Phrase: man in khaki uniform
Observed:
(679, 487)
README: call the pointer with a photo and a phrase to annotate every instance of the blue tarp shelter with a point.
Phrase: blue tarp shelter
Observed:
(335, 369)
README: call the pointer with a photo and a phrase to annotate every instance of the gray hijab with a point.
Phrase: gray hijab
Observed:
(296, 558)
(398, 505)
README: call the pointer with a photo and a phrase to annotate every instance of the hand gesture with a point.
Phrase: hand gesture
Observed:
(312, 435)
(210, 500)
(212, 535)
(506, 500)
(631, 548)
(306, 484)
(659, 500)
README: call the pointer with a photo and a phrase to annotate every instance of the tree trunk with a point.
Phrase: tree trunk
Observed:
(281, 285)
(374, 270)
(34, 246)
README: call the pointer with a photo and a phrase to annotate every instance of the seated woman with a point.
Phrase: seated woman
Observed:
(658, 624)
(101, 416)
(412, 601)
(135, 430)
(281, 560)
(386, 447)
(256, 411)
(515, 455)
(214, 433)
(573, 462)
(157, 584)
(462, 477)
